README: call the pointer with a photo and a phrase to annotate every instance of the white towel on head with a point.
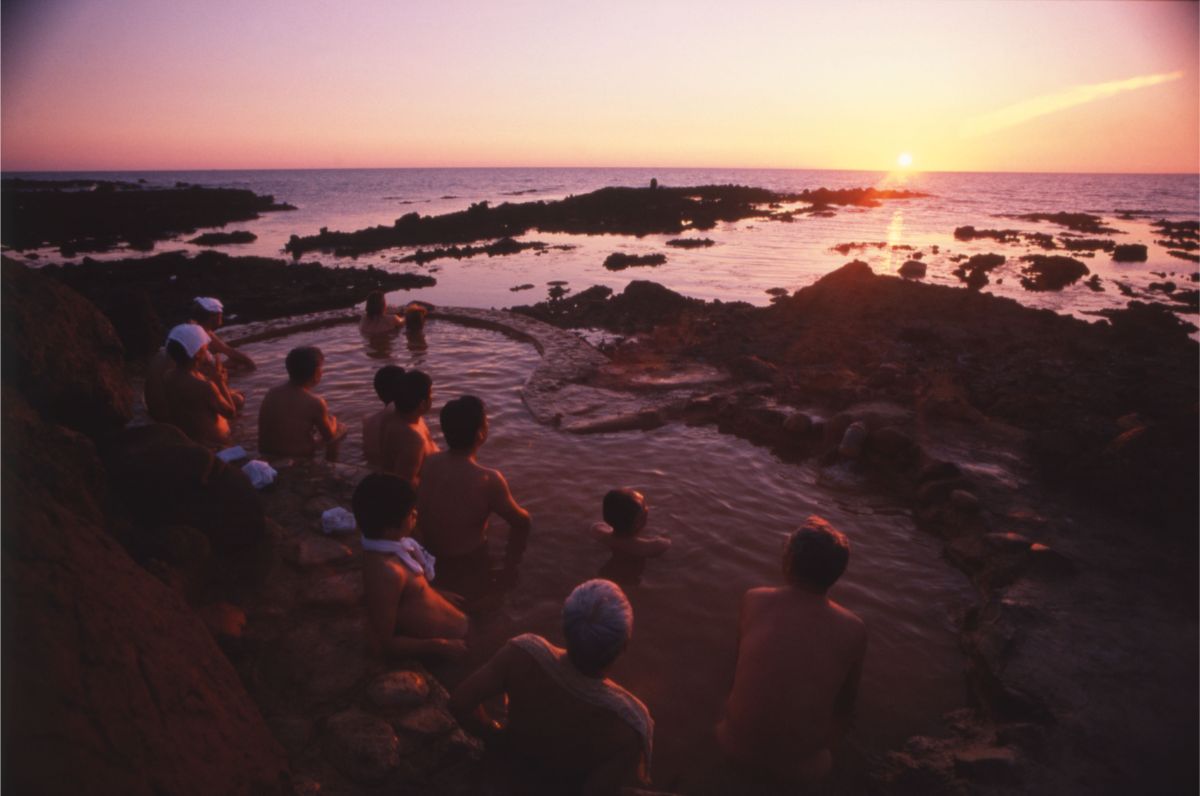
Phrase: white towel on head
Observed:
(408, 550)
(337, 520)
(260, 473)
(191, 336)
(209, 304)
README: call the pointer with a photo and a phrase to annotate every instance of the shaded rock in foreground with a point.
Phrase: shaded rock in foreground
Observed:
(62, 353)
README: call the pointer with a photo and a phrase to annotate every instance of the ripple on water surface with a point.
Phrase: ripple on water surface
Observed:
(727, 505)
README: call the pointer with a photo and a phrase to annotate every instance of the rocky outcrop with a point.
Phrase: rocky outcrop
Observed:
(61, 353)
(110, 683)
(619, 261)
(112, 213)
(1051, 273)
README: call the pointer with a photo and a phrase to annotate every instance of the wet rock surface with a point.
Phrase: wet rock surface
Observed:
(619, 261)
(1051, 272)
(101, 215)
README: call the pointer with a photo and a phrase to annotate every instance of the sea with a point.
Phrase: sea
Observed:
(749, 258)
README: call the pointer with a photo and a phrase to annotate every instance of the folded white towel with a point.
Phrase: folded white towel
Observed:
(408, 550)
(232, 454)
(260, 473)
(337, 520)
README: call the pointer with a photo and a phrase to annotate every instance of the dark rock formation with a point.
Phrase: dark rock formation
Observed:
(641, 306)
(1050, 273)
(618, 261)
(222, 238)
(499, 248)
(1087, 244)
(691, 243)
(1130, 253)
(1078, 222)
(253, 288)
(976, 269)
(99, 219)
(1000, 235)
(913, 269)
(621, 211)
(846, 248)
(62, 353)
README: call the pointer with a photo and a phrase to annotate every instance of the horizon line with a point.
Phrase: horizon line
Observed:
(6, 172)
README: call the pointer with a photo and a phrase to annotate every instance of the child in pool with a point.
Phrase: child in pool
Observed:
(625, 515)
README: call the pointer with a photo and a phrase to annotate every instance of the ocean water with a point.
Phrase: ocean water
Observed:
(727, 506)
(749, 258)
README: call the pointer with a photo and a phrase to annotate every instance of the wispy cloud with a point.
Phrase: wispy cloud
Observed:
(1021, 112)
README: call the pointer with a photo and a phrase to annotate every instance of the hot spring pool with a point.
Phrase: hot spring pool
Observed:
(727, 505)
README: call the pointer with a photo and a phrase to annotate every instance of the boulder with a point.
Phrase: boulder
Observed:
(363, 747)
(110, 684)
(164, 478)
(61, 353)
(1130, 253)
(913, 269)
(401, 689)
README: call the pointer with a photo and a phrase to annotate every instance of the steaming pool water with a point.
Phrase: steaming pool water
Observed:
(726, 504)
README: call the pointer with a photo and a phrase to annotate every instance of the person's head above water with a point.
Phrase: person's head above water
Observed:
(376, 304)
(184, 342)
(207, 311)
(625, 511)
(414, 318)
(303, 365)
(382, 501)
(386, 379)
(597, 624)
(411, 390)
(464, 420)
(816, 555)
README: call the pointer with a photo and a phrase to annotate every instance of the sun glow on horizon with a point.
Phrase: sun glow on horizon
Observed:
(905, 160)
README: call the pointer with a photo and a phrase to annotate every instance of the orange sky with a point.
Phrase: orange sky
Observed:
(976, 86)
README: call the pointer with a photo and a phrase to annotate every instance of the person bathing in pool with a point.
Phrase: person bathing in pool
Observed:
(799, 661)
(405, 439)
(625, 515)
(291, 413)
(372, 425)
(378, 318)
(405, 615)
(456, 497)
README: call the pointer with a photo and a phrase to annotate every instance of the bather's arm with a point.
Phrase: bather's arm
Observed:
(383, 602)
(466, 702)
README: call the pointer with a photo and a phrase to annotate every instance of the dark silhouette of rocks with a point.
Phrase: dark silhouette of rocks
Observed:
(1050, 272)
(103, 218)
(640, 307)
(617, 211)
(846, 248)
(974, 272)
(222, 238)
(1079, 222)
(1195, 258)
(913, 269)
(526, 286)
(1130, 253)
(1087, 244)
(618, 261)
(144, 296)
(1178, 230)
(691, 243)
(1000, 235)
(111, 683)
(499, 248)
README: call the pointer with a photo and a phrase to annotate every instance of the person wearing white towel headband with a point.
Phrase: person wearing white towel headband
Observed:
(209, 312)
(191, 400)
(405, 615)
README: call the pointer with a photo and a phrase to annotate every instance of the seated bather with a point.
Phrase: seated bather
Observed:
(800, 657)
(191, 401)
(372, 426)
(378, 318)
(209, 314)
(405, 439)
(291, 414)
(580, 732)
(456, 497)
(625, 516)
(405, 615)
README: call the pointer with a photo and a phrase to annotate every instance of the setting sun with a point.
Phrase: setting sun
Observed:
(904, 161)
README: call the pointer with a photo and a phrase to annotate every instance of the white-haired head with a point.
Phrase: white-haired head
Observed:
(597, 622)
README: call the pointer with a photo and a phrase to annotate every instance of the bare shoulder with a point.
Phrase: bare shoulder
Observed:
(851, 623)
(383, 573)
